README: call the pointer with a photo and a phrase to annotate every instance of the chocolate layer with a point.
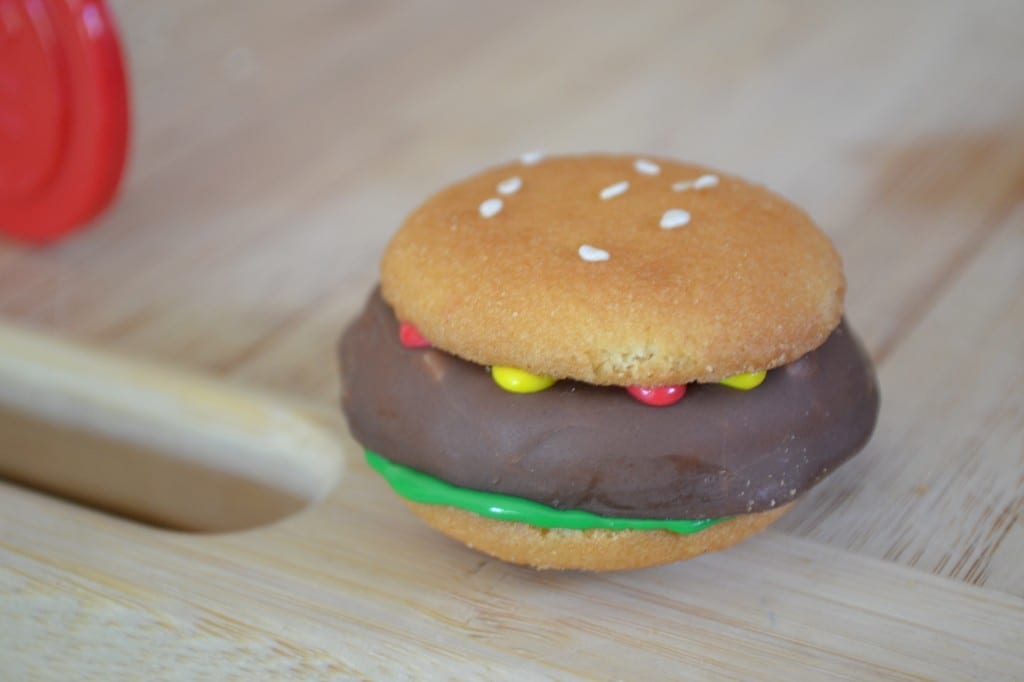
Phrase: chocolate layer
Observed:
(718, 452)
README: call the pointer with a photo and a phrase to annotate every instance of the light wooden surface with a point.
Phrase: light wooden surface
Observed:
(277, 145)
(176, 450)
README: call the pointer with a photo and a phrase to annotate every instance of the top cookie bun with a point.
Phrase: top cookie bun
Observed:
(568, 272)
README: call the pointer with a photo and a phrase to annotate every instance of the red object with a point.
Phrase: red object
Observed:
(63, 115)
(659, 396)
(410, 336)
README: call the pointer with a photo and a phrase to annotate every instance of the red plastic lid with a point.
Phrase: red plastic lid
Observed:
(63, 115)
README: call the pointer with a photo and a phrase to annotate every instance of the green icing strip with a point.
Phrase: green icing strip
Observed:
(419, 487)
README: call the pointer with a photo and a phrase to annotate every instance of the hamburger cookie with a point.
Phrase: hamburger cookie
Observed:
(606, 362)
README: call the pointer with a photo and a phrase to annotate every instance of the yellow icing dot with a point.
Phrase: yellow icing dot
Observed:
(744, 381)
(519, 381)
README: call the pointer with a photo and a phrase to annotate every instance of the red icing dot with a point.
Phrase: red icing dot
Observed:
(658, 396)
(410, 336)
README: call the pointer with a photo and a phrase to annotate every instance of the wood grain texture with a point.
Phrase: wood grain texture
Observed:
(950, 439)
(276, 147)
(373, 595)
(174, 449)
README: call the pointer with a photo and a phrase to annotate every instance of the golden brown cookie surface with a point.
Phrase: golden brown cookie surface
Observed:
(588, 550)
(601, 269)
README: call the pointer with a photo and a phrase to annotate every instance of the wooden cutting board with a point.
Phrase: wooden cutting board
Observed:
(277, 145)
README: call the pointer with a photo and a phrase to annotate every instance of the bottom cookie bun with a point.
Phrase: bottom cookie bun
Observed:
(588, 550)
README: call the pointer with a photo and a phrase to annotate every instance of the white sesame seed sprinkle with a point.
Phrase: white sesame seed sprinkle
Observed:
(674, 217)
(510, 185)
(646, 167)
(531, 158)
(615, 190)
(491, 207)
(592, 254)
(705, 181)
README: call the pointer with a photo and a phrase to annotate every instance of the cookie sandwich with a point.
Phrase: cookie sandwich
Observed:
(606, 362)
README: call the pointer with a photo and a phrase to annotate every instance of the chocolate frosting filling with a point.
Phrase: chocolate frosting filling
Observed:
(718, 452)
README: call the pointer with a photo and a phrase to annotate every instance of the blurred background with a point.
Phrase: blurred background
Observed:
(275, 146)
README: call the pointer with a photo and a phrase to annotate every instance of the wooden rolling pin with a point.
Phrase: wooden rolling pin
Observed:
(153, 444)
